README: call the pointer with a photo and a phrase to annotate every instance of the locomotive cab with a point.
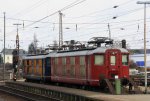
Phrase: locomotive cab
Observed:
(116, 64)
(108, 63)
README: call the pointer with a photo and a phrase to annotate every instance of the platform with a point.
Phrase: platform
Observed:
(2, 83)
(91, 96)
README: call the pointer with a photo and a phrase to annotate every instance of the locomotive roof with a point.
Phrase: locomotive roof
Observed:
(85, 52)
(74, 53)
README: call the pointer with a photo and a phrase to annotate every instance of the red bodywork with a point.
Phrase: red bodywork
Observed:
(91, 74)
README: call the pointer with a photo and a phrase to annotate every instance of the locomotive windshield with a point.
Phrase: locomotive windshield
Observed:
(113, 60)
(124, 60)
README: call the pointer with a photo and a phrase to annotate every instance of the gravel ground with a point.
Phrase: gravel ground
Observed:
(7, 97)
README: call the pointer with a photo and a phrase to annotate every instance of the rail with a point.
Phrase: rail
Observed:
(26, 95)
(48, 92)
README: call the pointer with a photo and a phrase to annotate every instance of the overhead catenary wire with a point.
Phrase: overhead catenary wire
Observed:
(110, 18)
(64, 8)
(104, 23)
(99, 11)
(50, 22)
(8, 18)
(90, 23)
(60, 10)
(123, 14)
(104, 30)
(30, 8)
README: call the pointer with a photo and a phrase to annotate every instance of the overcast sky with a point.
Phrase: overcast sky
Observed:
(90, 16)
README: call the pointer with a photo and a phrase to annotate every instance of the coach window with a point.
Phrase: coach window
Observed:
(113, 60)
(64, 65)
(82, 60)
(64, 61)
(56, 61)
(27, 66)
(124, 59)
(72, 68)
(82, 66)
(72, 60)
(27, 62)
(37, 66)
(32, 65)
(55, 65)
(99, 60)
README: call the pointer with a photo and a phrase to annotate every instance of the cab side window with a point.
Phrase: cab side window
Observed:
(99, 59)
(124, 60)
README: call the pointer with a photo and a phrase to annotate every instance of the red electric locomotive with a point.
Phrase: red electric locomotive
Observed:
(87, 66)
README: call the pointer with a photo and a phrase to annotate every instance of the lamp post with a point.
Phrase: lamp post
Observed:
(145, 2)
(4, 48)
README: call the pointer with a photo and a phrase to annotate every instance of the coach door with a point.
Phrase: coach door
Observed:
(47, 68)
(113, 58)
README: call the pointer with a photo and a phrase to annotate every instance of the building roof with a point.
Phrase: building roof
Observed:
(9, 51)
(139, 59)
(139, 51)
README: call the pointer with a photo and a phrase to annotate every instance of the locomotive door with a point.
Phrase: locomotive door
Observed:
(113, 58)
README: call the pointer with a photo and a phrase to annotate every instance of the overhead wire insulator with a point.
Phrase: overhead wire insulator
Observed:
(138, 28)
(23, 24)
(115, 6)
(76, 27)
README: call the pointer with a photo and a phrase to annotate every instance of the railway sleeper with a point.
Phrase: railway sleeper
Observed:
(26, 95)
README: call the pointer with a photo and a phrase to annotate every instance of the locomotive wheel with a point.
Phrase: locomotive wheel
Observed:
(124, 82)
(103, 85)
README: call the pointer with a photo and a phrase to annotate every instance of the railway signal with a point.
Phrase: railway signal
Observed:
(16, 55)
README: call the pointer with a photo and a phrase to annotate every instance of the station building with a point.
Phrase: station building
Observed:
(9, 55)
(137, 55)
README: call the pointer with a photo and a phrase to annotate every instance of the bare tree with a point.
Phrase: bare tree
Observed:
(32, 49)
(132, 64)
(35, 43)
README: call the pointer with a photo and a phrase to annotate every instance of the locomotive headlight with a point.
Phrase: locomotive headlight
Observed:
(113, 53)
(116, 77)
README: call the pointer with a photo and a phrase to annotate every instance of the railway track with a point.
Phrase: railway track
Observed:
(48, 92)
(26, 95)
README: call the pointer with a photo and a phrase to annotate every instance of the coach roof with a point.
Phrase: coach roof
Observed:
(85, 52)
(74, 53)
(35, 57)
